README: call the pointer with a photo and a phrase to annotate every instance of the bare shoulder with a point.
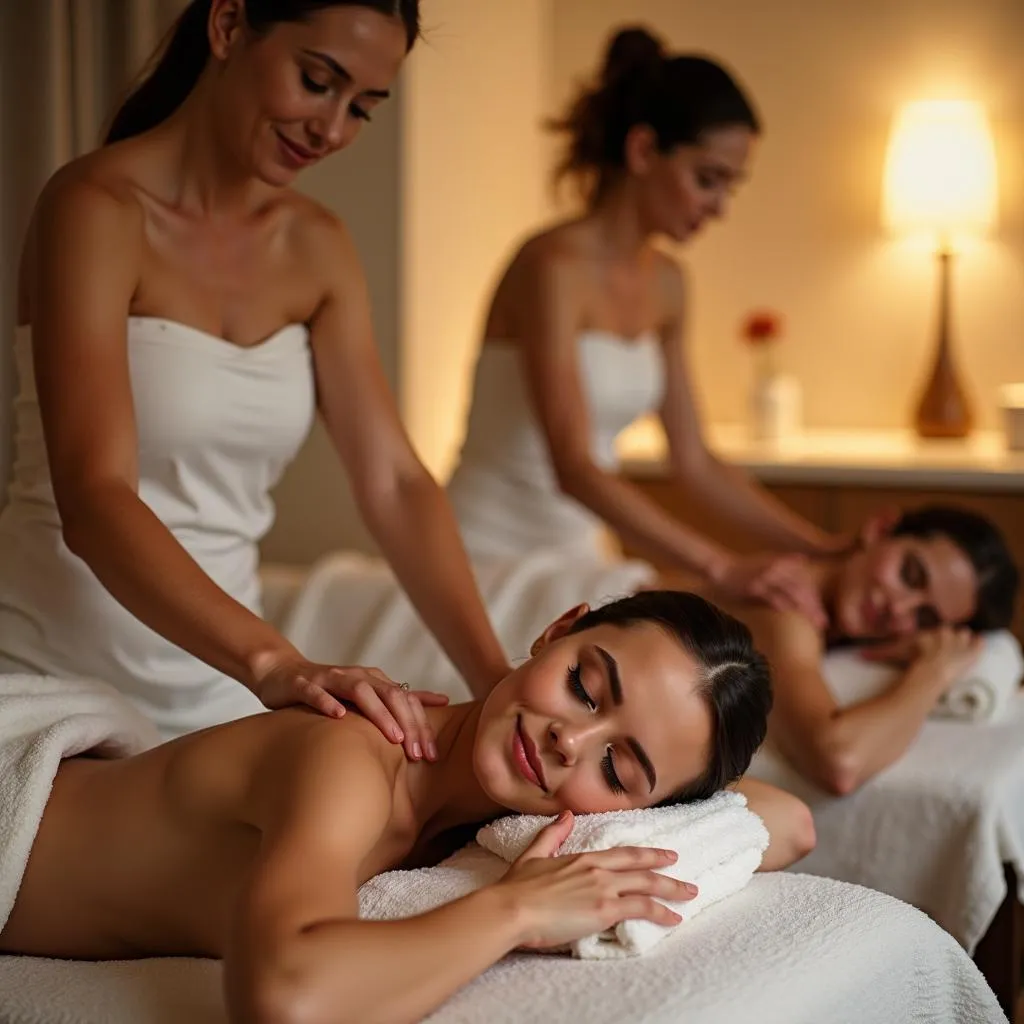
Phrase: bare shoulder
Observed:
(671, 283)
(87, 196)
(558, 251)
(305, 763)
(787, 638)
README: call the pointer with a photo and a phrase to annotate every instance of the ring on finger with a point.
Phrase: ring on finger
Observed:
(403, 686)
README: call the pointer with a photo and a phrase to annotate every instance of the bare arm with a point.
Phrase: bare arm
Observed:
(298, 954)
(787, 818)
(841, 748)
(88, 245)
(297, 950)
(548, 340)
(403, 506)
(724, 489)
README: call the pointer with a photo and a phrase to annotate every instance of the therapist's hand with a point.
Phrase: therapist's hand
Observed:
(784, 582)
(292, 680)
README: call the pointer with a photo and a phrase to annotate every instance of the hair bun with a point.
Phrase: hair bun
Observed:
(632, 50)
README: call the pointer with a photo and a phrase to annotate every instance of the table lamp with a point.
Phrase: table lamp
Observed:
(940, 181)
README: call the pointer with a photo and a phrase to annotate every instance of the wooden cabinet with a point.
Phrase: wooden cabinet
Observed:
(843, 507)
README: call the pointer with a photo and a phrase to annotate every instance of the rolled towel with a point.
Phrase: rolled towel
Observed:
(988, 686)
(982, 694)
(719, 842)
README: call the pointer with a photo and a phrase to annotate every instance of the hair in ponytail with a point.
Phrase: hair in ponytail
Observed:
(679, 97)
(179, 61)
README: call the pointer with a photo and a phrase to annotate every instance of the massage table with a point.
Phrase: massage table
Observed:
(787, 949)
(942, 829)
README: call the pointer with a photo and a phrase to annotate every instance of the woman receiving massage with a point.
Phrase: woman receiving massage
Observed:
(249, 840)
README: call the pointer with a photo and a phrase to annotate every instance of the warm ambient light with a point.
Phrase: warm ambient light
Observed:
(940, 173)
(940, 179)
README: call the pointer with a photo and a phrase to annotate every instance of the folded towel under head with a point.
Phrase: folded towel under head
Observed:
(982, 694)
(719, 842)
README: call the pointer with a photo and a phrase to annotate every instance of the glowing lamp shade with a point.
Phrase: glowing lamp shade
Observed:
(940, 171)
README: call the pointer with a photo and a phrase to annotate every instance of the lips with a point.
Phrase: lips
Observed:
(527, 759)
(295, 154)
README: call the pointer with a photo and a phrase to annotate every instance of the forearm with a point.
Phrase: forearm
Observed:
(863, 739)
(418, 534)
(643, 523)
(373, 971)
(744, 504)
(139, 561)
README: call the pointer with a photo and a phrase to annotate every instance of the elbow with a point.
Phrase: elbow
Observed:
(802, 837)
(574, 477)
(75, 535)
(839, 771)
(272, 1001)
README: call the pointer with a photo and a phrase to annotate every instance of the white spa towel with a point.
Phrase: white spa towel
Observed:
(719, 842)
(788, 949)
(982, 694)
(42, 721)
(935, 828)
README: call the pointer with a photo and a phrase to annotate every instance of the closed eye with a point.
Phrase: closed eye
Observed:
(610, 774)
(313, 85)
(359, 113)
(579, 690)
(913, 572)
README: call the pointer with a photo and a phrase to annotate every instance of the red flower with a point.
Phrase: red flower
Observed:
(761, 327)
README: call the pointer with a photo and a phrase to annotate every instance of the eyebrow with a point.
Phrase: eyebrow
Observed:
(615, 685)
(379, 94)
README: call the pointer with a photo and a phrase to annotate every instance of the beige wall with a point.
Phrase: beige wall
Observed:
(804, 236)
(473, 182)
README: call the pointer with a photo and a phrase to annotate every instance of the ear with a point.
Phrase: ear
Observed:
(640, 149)
(227, 20)
(878, 526)
(559, 628)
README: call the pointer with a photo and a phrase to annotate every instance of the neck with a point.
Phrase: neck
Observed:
(208, 179)
(445, 793)
(616, 215)
(825, 573)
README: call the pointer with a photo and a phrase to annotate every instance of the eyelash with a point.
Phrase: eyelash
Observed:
(611, 776)
(319, 89)
(607, 763)
(577, 687)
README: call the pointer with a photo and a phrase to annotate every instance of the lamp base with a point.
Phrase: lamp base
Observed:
(944, 411)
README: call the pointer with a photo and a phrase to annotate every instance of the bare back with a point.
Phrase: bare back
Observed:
(148, 856)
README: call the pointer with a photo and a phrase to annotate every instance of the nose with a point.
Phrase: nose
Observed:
(571, 740)
(716, 207)
(329, 131)
(903, 607)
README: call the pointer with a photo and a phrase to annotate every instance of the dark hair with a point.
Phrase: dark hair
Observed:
(735, 678)
(679, 97)
(983, 543)
(180, 59)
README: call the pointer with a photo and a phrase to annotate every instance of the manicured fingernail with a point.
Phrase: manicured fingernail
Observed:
(692, 889)
(432, 751)
(397, 735)
(417, 750)
(670, 854)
